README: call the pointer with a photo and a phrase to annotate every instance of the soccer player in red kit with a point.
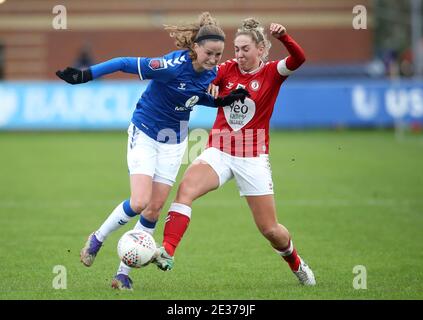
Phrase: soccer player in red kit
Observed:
(238, 145)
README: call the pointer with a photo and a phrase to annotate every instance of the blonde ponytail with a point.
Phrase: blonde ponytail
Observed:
(252, 28)
(185, 35)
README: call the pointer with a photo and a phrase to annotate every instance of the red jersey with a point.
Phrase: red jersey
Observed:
(242, 129)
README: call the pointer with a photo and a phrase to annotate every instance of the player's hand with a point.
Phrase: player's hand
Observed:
(277, 30)
(75, 76)
(235, 95)
(239, 94)
(213, 90)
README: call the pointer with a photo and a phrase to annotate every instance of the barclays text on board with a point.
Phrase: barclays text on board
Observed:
(301, 104)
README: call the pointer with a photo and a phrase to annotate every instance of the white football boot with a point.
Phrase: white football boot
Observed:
(305, 274)
(162, 259)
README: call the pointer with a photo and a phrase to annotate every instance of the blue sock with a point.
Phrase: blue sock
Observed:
(128, 210)
(146, 225)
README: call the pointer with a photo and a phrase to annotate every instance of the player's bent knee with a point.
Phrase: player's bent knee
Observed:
(187, 192)
(152, 211)
(138, 204)
(272, 233)
(155, 206)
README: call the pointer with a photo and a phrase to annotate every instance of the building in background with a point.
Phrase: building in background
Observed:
(34, 49)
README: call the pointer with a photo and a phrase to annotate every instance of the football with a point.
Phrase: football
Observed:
(136, 248)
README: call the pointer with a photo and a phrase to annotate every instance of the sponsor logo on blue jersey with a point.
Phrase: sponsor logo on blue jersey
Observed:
(189, 104)
(156, 64)
(173, 62)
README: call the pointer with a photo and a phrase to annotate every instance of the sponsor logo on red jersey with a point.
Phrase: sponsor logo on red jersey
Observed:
(255, 85)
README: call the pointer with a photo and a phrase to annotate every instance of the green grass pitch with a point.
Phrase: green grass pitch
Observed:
(348, 198)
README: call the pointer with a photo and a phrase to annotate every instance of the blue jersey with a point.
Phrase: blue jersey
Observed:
(164, 108)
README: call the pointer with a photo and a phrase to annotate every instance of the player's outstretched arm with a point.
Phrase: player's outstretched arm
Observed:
(296, 54)
(77, 76)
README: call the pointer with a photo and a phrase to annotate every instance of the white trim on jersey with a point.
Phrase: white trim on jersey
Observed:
(261, 65)
(139, 69)
(282, 68)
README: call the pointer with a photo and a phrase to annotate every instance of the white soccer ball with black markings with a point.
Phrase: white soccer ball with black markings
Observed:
(136, 248)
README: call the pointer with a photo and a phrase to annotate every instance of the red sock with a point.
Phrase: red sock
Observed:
(175, 227)
(289, 254)
(293, 260)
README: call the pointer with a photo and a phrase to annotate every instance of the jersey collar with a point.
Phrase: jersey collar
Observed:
(252, 71)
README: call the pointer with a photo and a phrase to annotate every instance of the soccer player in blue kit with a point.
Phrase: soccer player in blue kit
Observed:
(157, 134)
